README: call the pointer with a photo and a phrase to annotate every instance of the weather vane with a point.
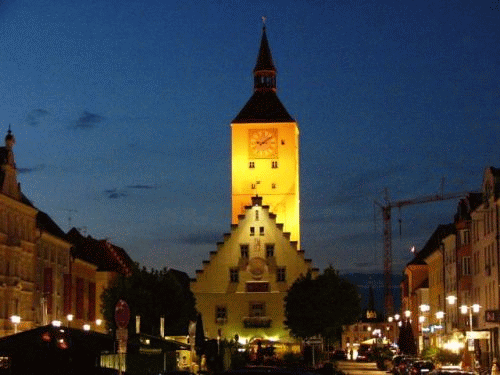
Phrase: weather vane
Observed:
(264, 20)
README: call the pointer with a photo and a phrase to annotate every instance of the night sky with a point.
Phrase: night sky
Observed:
(122, 110)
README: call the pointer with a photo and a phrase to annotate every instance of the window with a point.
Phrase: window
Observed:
(261, 231)
(252, 231)
(274, 164)
(257, 309)
(273, 186)
(251, 164)
(253, 186)
(281, 274)
(257, 287)
(256, 215)
(269, 250)
(220, 314)
(244, 250)
(234, 275)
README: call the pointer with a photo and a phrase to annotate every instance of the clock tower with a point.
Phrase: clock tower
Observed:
(265, 150)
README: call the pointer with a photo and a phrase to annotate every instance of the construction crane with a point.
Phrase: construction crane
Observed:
(386, 208)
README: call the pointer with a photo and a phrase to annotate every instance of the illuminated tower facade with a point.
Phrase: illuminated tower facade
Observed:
(265, 150)
(241, 289)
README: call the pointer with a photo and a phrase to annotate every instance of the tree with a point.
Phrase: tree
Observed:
(152, 295)
(321, 306)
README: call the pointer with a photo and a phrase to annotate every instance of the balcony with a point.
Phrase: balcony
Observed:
(257, 322)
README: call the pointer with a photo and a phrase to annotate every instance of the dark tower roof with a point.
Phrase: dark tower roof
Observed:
(264, 105)
(265, 59)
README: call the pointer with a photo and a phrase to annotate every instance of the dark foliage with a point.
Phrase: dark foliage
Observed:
(321, 306)
(152, 295)
(406, 339)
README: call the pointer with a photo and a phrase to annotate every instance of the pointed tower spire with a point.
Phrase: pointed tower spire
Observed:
(264, 72)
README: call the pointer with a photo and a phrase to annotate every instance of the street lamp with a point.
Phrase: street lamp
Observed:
(56, 323)
(439, 317)
(70, 318)
(86, 327)
(15, 319)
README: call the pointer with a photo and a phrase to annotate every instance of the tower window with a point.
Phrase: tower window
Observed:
(252, 231)
(234, 275)
(281, 274)
(253, 186)
(273, 186)
(244, 250)
(269, 250)
(256, 215)
(261, 231)
(274, 164)
(251, 164)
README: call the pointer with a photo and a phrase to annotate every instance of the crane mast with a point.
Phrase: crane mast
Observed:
(386, 208)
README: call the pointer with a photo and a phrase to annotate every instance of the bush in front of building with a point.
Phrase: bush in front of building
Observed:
(441, 356)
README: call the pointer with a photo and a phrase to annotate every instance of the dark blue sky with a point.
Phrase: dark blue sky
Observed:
(122, 111)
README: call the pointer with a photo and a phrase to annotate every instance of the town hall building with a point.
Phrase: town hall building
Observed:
(241, 289)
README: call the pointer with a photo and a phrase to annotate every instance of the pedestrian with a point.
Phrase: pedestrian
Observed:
(494, 368)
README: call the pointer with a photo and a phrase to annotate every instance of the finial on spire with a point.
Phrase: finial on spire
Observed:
(264, 18)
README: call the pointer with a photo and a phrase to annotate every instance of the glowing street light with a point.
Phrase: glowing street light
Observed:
(56, 323)
(15, 319)
(86, 327)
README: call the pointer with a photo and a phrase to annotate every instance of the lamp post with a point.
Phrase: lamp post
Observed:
(439, 317)
(15, 319)
(464, 309)
(424, 309)
(69, 317)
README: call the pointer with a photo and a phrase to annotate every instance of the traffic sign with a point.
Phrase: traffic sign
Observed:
(122, 314)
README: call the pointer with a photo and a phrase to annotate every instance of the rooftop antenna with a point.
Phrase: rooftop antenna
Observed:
(70, 211)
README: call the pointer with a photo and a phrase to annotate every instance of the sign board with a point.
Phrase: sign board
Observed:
(315, 340)
(492, 316)
(478, 335)
(122, 314)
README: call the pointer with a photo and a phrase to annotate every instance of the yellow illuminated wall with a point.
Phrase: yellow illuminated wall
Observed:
(265, 162)
(233, 280)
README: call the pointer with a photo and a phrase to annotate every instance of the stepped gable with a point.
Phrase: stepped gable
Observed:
(106, 256)
(256, 200)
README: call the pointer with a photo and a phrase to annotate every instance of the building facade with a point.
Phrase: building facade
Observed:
(241, 289)
(45, 274)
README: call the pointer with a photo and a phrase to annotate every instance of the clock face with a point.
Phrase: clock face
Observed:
(263, 143)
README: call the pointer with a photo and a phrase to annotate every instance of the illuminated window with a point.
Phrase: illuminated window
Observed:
(261, 231)
(281, 274)
(257, 309)
(273, 186)
(269, 250)
(274, 164)
(251, 164)
(220, 314)
(252, 231)
(244, 251)
(234, 275)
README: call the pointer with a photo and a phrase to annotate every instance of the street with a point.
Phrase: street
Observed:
(359, 368)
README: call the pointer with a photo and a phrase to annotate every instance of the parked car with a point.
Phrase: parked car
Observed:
(421, 367)
(451, 370)
(338, 354)
(404, 365)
